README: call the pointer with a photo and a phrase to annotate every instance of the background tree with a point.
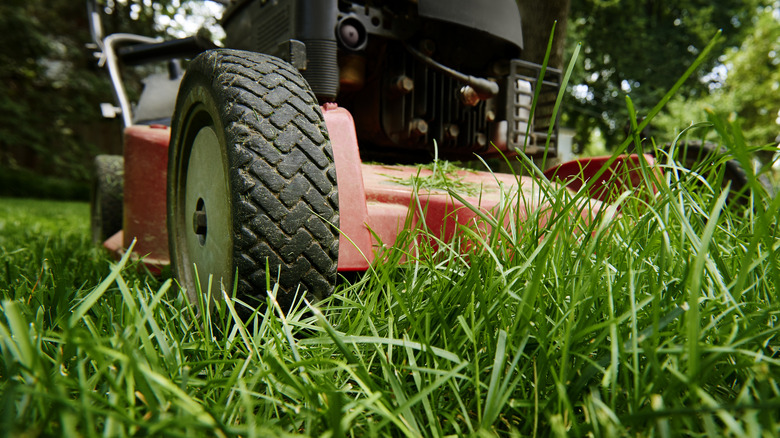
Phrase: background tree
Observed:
(641, 47)
(747, 84)
(50, 85)
(538, 17)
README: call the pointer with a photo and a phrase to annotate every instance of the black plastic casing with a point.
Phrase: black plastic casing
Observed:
(481, 38)
(268, 27)
(500, 18)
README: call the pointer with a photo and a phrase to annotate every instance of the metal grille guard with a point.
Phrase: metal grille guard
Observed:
(521, 83)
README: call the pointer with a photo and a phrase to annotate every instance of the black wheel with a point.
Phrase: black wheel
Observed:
(107, 196)
(251, 180)
(702, 157)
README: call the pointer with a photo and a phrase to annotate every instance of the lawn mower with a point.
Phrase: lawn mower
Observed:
(255, 163)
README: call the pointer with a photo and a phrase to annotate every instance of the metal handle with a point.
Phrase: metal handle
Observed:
(108, 57)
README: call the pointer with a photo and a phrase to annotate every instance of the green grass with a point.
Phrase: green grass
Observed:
(659, 321)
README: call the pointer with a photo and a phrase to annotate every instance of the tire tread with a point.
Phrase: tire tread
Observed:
(283, 178)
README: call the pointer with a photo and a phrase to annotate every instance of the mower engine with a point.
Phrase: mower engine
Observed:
(262, 177)
(416, 74)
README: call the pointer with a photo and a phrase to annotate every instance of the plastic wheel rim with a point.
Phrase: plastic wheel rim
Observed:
(206, 240)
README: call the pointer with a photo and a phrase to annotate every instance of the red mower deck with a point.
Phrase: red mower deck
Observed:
(374, 200)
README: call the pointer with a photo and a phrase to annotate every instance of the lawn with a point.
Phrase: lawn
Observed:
(658, 321)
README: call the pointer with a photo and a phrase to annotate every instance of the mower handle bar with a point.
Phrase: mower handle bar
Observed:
(143, 53)
(109, 58)
(95, 24)
(134, 50)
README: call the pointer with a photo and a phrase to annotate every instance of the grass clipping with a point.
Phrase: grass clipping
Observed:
(443, 176)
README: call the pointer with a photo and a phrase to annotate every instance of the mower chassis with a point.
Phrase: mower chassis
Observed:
(375, 201)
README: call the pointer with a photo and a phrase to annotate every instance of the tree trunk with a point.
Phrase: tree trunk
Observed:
(538, 17)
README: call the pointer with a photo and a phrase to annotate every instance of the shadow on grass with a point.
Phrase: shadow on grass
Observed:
(22, 183)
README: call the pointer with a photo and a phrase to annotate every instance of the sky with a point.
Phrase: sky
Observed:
(183, 20)
(205, 13)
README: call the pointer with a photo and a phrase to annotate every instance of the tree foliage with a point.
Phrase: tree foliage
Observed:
(37, 95)
(50, 84)
(641, 47)
(749, 86)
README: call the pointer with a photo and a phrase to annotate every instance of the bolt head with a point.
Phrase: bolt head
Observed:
(418, 127)
(452, 131)
(481, 139)
(404, 84)
(468, 96)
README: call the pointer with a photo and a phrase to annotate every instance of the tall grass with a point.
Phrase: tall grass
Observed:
(657, 321)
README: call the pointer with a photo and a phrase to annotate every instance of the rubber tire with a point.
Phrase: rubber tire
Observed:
(692, 154)
(280, 176)
(107, 197)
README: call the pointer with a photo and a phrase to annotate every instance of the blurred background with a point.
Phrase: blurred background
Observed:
(51, 85)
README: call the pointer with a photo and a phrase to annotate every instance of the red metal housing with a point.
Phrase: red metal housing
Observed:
(375, 201)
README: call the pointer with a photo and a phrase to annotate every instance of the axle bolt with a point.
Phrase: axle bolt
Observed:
(199, 221)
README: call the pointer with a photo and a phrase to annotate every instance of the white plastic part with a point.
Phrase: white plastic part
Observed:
(109, 111)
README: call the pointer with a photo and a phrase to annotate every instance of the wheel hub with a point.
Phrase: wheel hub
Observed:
(207, 243)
